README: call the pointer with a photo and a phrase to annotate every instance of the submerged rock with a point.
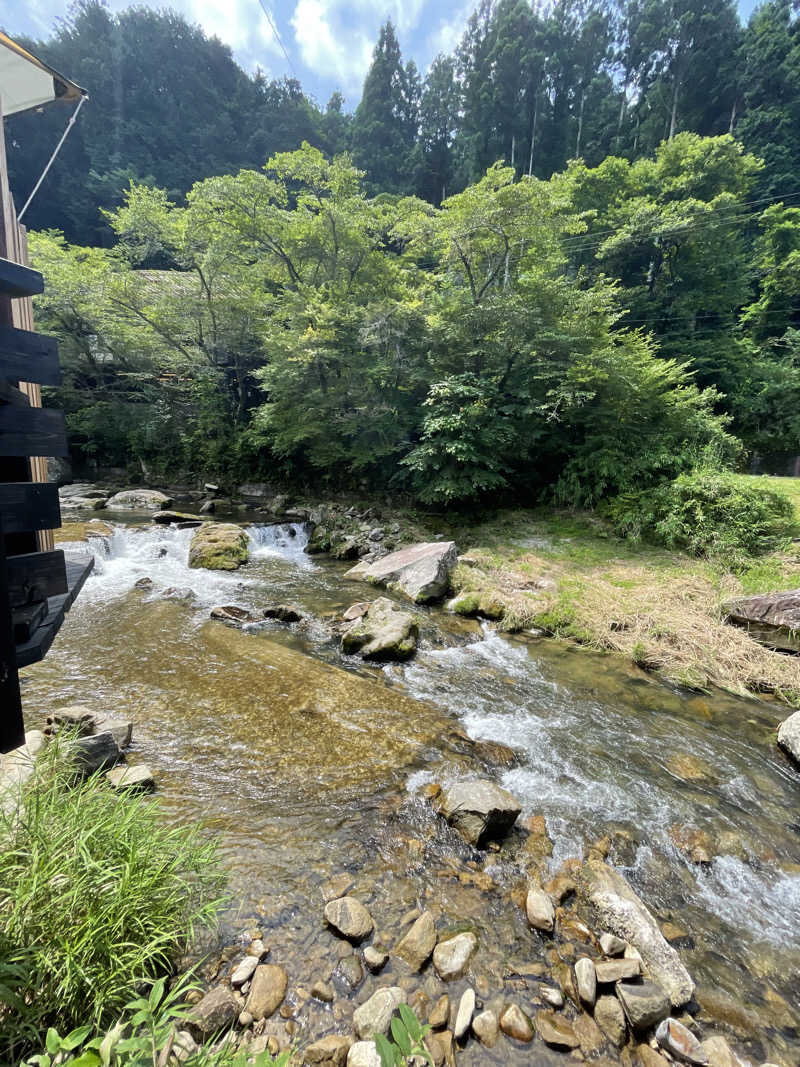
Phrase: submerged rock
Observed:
(375, 1015)
(267, 990)
(620, 911)
(773, 619)
(451, 957)
(139, 500)
(232, 615)
(539, 910)
(556, 1030)
(219, 546)
(610, 1017)
(418, 943)
(789, 736)
(420, 572)
(385, 632)
(515, 1023)
(480, 810)
(486, 1028)
(350, 918)
(283, 613)
(138, 779)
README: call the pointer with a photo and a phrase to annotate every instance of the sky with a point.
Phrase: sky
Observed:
(326, 44)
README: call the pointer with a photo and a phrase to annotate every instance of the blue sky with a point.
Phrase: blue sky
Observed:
(329, 42)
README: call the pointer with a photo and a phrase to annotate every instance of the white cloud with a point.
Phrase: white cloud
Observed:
(449, 31)
(327, 47)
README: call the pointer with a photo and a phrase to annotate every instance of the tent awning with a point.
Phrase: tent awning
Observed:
(26, 82)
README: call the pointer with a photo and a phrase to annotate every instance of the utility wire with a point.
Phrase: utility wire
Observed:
(278, 38)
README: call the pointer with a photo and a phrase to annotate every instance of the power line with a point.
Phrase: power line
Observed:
(278, 38)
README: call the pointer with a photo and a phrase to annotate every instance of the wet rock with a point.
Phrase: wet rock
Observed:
(143, 583)
(621, 912)
(446, 1041)
(363, 1054)
(232, 615)
(374, 958)
(440, 1013)
(789, 736)
(589, 1034)
(283, 613)
(330, 1051)
(385, 632)
(609, 971)
(480, 810)
(375, 1015)
(539, 910)
(120, 729)
(451, 957)
(138, 779)
(610, 1017)
(648, 1057)
(556, 1030)
(690, 768)
(99, 752)
(695, 844)
(351, 971)
(719, 1052)
(165, 518)
(355, 611)
(773, 619)
(486, 1028)
(139, 500)
(681, 1043)
(244, 971)
(515, 1023)
(486, 605)
(417, 945)
(586, 981)
(420, 572)
(644, 1004)
(338, 886)
(323, 991)
(267, 990)
(466, 1009)
(553, 997)
(218, 546)
(217, 1010)
(350, 918)
(612, 945)
(496, 754)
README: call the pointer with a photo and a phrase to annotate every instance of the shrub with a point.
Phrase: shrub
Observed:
(707, 513)
(97, 896)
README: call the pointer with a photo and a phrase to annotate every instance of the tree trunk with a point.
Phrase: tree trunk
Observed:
(733, 117)
(673, 119)
(580, 126)
(513, 148)
(533, 135)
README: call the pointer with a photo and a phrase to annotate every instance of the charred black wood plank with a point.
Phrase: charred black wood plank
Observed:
(29, 506)
(28, 357)
(32, 432)
(35, 576)
(37, 647)
(12, 728)
(17, 280)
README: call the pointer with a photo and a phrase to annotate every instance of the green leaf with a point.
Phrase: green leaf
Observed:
(400, 1035)
(385, 1050)
(87, 1059)
(75, 1038)
(156, 994)
(411, 1022)
(52, 1042)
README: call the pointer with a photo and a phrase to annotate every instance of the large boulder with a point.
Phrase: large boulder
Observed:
(420, 572)
(789, 736)
(480, 810)
(619, 910)
(139, 500)
(219, 546)
(385, 632)
(773, 619)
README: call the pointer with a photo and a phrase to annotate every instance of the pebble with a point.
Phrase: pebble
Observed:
(586, 980)
(515, 1023)
(555, 1030)
(418, 943)
(612, 945)
(609, 971)
(244, 971)
(610, 1017)
(258, 948)
(373, 1017)
(351, 971)
(681, 1043)
(645, 1004)
(267, 990)
(374, 958)
(466, 1009)
(440, 1013)
(322, 991)
(338, 886)
(331, 1051)
(451, 958)
(539, 909)
(551, 996)
(245, 1019)
(350, 918)
(486, 1028)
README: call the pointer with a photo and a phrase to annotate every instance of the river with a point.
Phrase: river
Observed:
(304, 763)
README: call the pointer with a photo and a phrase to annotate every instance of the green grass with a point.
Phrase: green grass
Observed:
(97, 896)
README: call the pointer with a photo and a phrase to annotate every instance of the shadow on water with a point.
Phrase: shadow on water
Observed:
(304, 764)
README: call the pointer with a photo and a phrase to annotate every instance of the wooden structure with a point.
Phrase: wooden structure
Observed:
(37, 584)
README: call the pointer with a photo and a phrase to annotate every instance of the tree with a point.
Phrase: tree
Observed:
(439, 119)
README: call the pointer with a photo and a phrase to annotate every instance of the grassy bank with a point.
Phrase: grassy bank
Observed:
(568, 574)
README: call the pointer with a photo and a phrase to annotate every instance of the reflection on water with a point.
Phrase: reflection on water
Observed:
(303, 766)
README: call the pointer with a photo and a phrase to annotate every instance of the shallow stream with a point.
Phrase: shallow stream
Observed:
(304, 764)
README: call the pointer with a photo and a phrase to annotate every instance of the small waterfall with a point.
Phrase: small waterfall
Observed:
(285, 539)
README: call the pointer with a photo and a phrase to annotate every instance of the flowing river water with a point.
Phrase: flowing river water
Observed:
(305, 764)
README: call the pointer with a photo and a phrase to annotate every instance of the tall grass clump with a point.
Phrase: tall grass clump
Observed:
(98, 896)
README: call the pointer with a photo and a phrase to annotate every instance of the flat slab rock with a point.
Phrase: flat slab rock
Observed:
(139, 500)
(384, 632)
(420, 572)
(480, 810)
(773, 619)
(789, 736)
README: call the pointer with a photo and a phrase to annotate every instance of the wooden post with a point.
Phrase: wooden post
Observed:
(12, 727)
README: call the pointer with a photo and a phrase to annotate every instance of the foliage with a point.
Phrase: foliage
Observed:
(708, 513)
(408, 1036)
(97, 895)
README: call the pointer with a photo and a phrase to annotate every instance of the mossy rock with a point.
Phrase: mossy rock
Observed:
(385, 632)
(485, 604)
(219, 546)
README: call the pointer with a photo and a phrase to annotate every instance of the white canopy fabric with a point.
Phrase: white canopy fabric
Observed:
(26, 82)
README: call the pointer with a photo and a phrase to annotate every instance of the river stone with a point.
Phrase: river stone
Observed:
(515, 1023)
(355, 611)
(681, 1043)
(217, 1010)
(120, 729)
(283, 613)
(420, 572)
(267, 990)
(375, 1015)
(586, 980)
(244, 971)
(621, 912)
(648, 1057)
(417, 945)
(96, 753)
(539, 909)
(466, 1009)
(789, 736)
(451, 957)
(486, 1028)
(374, 958)
(440, 1013)
(330, 1051)
(719, 1052)
(609, 971)
(338, 886)
(164, 518)
(480, 810)
(323, 991)
(773, 619)
(612, 945)
(610, 1017)
(232, 615)
(139, 500)
(385, 632)
(218, 546)
(138, 779)
(364, 1054)
(350, 918)
(350, 970)
(644, 1004)
(555, 1030)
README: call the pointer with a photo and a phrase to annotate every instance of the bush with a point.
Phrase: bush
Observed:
(707, 513)
(97, 896)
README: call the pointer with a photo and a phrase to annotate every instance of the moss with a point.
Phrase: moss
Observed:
(218, 546)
